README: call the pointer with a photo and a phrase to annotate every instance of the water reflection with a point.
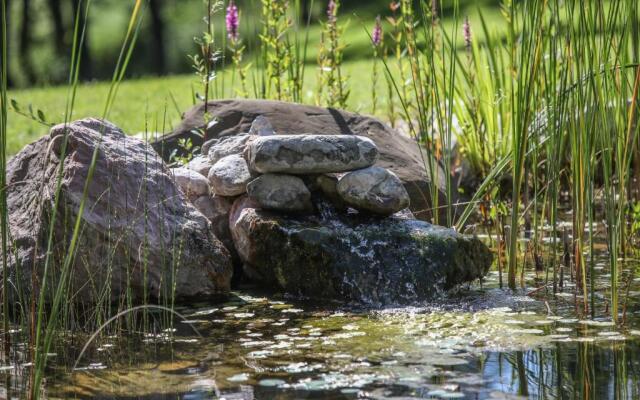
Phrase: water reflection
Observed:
(267, 348)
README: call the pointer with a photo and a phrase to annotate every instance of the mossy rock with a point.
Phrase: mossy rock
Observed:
(355, 258)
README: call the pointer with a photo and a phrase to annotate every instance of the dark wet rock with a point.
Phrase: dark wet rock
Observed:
(373, 189)
(280, 193)
(229, 176)
(327, 184)
(227, 146)
(192, 183)
(261, 127)
(376, 261)
(310, 154)
(200, 164)
(134, 221)
(398, 153)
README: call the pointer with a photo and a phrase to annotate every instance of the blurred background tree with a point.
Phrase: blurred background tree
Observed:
(40, 33)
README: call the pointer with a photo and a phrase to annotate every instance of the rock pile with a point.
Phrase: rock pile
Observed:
(320, 216)
(278, 172)
(314, 216)
(397, 152)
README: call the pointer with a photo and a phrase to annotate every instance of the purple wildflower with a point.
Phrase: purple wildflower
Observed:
(466, 29)
(331, 11)
(233, 21)
(376, 35)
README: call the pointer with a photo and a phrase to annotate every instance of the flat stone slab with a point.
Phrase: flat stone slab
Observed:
(310, 154)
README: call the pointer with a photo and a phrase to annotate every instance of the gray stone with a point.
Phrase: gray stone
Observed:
(200, 164)
(216, 209)
(309, 154)
(280, 192)
(373, 189)
(192, 183)
(134, 219)
(229, 176)
(227, 146)
(327, 184)
(261, 127)
(356, 258)
(204, 149)
(399, 153)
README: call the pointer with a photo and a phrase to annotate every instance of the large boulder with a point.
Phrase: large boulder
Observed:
(139, 234)
(398, 153)
(375, 261)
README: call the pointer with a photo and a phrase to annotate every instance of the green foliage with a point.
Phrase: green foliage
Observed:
(332, 83)
(36, 114)
(276, 50)
(204, 63)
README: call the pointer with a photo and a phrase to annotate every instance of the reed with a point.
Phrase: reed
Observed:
(4, 223)
(550, 104)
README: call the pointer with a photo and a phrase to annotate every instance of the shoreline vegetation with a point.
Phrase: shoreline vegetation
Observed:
(537, 117)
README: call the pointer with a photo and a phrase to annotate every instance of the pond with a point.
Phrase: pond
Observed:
(478, 342)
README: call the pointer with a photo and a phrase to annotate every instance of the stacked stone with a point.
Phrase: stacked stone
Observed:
(279, 173)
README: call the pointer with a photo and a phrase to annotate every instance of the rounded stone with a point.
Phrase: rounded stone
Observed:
(192, 183)
(280, 192)
(227, 146)
(229, 176)
(375, 190)
(200, 164)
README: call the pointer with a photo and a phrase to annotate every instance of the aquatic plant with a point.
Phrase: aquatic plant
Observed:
(377, 41)
(276, 52)
(204, 62)
(332, 88)
(232, 20)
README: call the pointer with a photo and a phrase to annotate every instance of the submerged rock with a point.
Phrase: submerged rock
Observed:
(310, 154)
(280, 192)
(398, 153)
(376, 261)
(229, 176)
(373, 189)
(140, 235)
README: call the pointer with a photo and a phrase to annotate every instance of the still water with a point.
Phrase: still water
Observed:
(480, 343)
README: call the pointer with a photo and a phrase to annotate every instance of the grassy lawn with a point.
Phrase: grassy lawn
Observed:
(152, 104)
(155, 104)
